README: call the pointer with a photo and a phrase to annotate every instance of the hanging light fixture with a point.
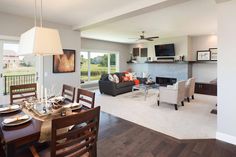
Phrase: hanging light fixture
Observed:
(40, 40)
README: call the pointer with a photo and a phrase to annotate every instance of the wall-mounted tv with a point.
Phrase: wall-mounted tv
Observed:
(165, 50)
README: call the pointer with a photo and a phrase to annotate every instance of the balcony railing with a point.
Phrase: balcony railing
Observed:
(17, 80)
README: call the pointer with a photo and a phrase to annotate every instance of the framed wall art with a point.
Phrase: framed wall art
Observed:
(144, 52)
(135, 52)
(213, 54)
(203, 55)
(64, 63)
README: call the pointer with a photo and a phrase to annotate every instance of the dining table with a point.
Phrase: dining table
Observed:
(14, 137)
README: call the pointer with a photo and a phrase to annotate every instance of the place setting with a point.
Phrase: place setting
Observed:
(16, 120)
(4, 109)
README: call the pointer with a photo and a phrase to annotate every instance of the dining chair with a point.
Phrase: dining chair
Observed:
(79, 142)
(20, 92)
(86, 98)
(68, 92)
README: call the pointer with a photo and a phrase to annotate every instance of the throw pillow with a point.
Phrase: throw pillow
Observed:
(136, 82)
(110, 78)
(131, 77)
(116, 78)
(125, 78)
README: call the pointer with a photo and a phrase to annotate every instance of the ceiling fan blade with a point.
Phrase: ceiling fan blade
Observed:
(154, 37)
(149, 39)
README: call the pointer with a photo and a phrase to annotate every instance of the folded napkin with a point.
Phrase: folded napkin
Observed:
(10, 120)
(71, 105)
(57, 98)
(11, 107)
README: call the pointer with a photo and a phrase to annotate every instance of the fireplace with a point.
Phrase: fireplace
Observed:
(164, 81)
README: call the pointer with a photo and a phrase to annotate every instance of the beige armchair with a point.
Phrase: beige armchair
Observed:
(172, 94)
(190, 88)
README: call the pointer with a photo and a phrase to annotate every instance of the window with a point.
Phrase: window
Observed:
(15, 68)
(94, 64)
(13, 63)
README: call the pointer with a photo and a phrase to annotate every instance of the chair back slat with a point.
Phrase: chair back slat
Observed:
(74, 141)
(86, 98)
(68, 92)
(24, 91)
(74, 132)
(78, 141)
(73, 150)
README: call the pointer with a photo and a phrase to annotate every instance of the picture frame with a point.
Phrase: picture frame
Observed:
(203, 55)
(144, 52)
(214, 54)
(64, 63)
(135, 52)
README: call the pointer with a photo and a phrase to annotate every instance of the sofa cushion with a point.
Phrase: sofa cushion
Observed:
(124, 84)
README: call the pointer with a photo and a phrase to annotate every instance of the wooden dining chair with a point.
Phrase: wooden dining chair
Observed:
(20, 92)
(86, 98)
(68, 92)
(79, 142)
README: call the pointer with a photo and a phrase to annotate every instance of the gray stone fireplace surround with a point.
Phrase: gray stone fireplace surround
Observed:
(180, 71)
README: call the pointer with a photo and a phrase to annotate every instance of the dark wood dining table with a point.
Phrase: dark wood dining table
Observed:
(25, 134)
(14, 137)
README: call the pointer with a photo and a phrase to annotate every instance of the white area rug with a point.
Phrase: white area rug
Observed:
(193, 121)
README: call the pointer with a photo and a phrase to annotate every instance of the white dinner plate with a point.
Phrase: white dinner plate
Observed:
(19, 122)
(11, 110)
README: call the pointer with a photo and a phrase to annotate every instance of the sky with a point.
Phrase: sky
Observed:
(13, 47)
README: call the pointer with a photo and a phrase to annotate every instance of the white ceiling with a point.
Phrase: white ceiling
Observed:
(72, 12)
(194, 17)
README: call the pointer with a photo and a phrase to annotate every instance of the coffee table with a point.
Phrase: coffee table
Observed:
(145, 88)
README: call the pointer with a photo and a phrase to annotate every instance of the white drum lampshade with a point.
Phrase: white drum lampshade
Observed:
(40, 41)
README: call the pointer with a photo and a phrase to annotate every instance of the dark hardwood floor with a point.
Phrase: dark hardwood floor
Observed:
(120, 138)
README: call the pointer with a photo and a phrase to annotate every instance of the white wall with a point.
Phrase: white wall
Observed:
(226, 129)
(12, 25)
(202, 42)
(203, 72)
(123, 49)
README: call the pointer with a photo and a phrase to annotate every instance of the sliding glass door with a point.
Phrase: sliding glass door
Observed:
(94, 64)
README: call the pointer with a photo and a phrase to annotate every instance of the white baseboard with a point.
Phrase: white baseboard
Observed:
(226, 138)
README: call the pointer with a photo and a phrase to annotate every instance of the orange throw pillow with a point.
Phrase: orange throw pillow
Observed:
(136, 82)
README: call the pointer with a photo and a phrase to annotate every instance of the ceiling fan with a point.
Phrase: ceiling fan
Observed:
(142, 37)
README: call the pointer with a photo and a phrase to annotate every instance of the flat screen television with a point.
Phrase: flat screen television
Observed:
(165, 50)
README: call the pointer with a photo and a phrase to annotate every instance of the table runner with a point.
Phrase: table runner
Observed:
(46, 127)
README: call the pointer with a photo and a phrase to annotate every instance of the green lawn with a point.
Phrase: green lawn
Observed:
(96, 71)
(19, 71)
(11, 79)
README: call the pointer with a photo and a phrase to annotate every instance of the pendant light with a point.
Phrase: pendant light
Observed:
(40, 40)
